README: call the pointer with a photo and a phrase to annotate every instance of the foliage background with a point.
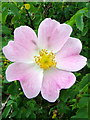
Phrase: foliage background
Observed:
(73, 102)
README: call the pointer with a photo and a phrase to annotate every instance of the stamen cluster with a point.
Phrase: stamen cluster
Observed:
(46, 59)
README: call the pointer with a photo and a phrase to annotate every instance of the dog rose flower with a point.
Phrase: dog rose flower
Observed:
(44, 63)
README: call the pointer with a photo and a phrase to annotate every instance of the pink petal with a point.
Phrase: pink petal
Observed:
(72, 63)
(22, 49)
(15, 52)
(73, 46)
(68, 57)
(55, 80)
(52, 35)
(29, 76)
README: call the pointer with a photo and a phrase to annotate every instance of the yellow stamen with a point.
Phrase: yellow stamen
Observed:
(45, 59)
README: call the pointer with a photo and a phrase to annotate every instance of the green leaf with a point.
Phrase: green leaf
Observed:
(72, 20)
(14, 105)
(84, 81)
(83, 102)
(79, 21)
(0, 18)
(4, 15)
(28, 113)
(9, 102)
(13, 89)
(33, 116)
(88, 63)
(64, 95)
(6, 30)
(14, 114)
(87, 14)
(62, 107)
(81, 113)
(14, 9)
(6, 111)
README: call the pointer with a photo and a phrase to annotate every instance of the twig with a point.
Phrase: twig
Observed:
(52, 104)
(47, 8)
(28, 15)
(61, 115)
(4, 104)
(30, 19)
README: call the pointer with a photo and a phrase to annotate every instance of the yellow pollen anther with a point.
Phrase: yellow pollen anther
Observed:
(45, 59)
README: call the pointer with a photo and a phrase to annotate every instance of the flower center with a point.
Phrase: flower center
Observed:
(45, 59)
